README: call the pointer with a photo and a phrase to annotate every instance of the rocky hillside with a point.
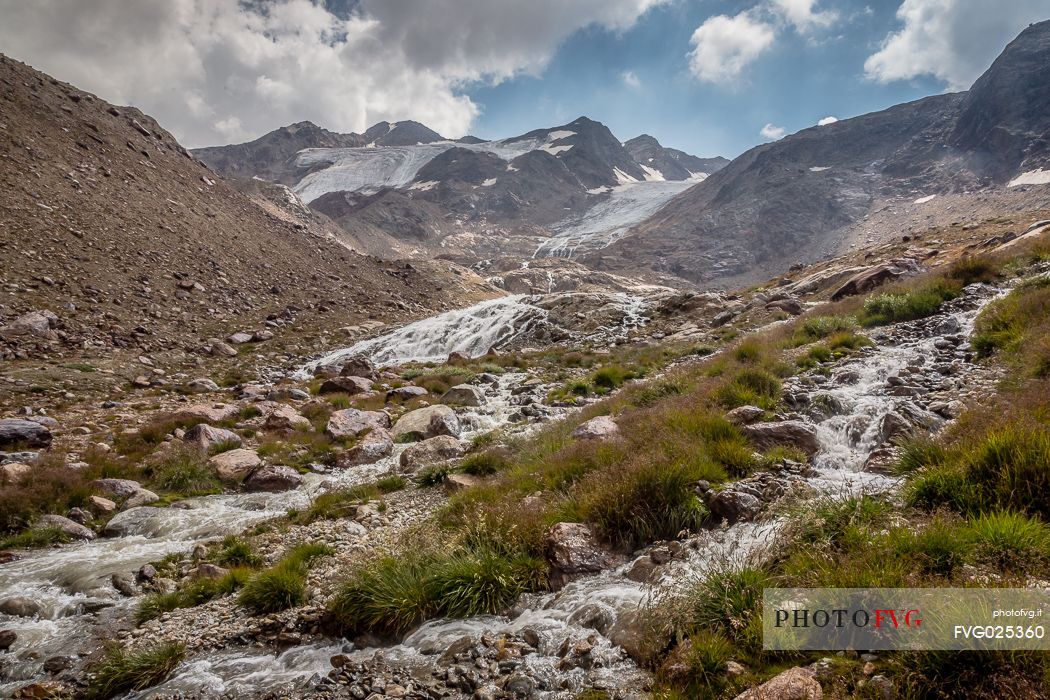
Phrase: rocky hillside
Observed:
(670, 163)
(121, 238)
(806, 192)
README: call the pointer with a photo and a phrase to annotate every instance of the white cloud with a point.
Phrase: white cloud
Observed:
(802, 15)
(212, 71)
(631, 79)
(827, 120)
(723, 46)
(773, 133)
(953, 40)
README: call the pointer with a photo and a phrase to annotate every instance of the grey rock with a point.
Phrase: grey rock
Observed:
(734, 506)
(350, 422)
(790, 432)
(272, 477)
(346, 385)
(16, 431)
(205, 438)
(235, 465)
(742, 415)
(7, 639)
(428, 422)
(58, 522)
(463, 395)
(371, 448)
(125, 584)
(597, 428)
(20, 606)
(406, 393)
(430, 451)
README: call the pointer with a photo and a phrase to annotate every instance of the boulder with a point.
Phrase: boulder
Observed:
(135, 521)
(463, 395)
(118, 488)
(374, 446)
(742, 415)
(734, 506)
(221, 349)
(27, 433)
(14, 472)
(212, 571)
(791, 306)
(273, 477)
(426, 423)
(406, 393)
(202, 386)
(792, 433)
(240, 338)
(142, 497)
(430, 451)
(235, 465)
(205, 438)
(35, 323)
(206, 412)
(79, 516)
(872, 277)
(101, 505)
(598, 428)
(7, 639)
(454, 483)
(346, 385)
(284, 418)
(358, 366)
(639, 634)
(351, 422)
(59, 522)
(793, 684)
(571, 548)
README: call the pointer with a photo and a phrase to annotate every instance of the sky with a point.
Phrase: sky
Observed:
(711, 77)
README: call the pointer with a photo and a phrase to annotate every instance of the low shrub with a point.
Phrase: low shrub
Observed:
(121, 671)
(893, 307)
(236, 552)
(186, 472)
(1011, 542)
(35, 539)
(282, 586)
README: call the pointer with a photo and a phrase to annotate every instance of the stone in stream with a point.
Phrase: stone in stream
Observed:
(125, 584)
(598, 428)
(204, 437)
(358, 366)
(463, 395)
(20, 606)
(792, 433)
(793, 684)
(374, 446)
(235, 465)
(734, 506)
(58, 522)
(572, 549)
(273, 477)
(428, 422)
(351, 423)
(7, 639)
(346, 385)
(16, 431)
(430, 451)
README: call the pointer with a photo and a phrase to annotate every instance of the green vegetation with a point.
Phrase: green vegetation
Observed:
(35, 539)
(199, 591)
(121, 671)
(920, 302)
(185, 471)
(283, 585)
(392, 594)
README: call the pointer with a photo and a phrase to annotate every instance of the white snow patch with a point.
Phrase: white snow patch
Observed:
(652, 174)
(489, 183)
(927, 198)
(610, 219)
(599, 190)
(1032, 177)
(424, 186)
(622, 177)
(555, 150)
(511, 168)
(561, 134)
(698, 176)
(819, 168)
